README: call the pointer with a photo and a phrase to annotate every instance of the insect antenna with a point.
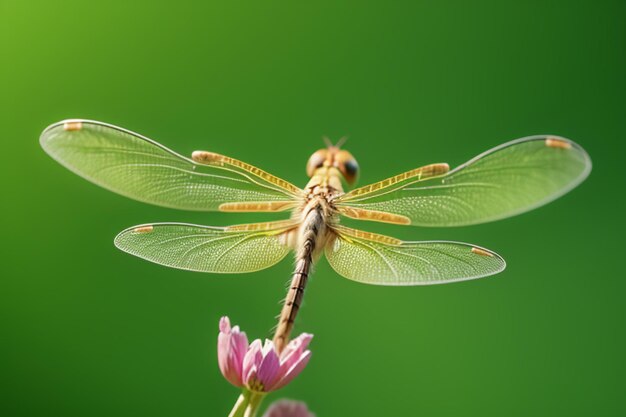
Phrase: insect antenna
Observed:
(341, 142)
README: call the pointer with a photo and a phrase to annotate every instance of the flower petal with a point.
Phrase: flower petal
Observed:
(294, 349)
(293, 352)
(239, 347)
(228, 359)
(268, 369)
(251, 360)
(294, 370)
(225, 324)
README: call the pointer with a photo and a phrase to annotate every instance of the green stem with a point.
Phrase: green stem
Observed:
(256, 398)
(240, 406)
(247, 404)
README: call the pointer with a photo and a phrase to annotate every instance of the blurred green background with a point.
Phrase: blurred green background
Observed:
(90, 331)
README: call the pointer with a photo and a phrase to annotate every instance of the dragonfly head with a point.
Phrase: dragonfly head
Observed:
(334, 156)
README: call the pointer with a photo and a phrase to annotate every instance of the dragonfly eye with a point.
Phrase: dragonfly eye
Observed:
(316, 161)
(348, 166)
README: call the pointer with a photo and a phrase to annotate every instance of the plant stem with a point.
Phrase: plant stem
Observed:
(240, 406)
(247, 404)
(256, 398)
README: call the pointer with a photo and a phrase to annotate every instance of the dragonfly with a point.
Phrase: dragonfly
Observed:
(507, 180)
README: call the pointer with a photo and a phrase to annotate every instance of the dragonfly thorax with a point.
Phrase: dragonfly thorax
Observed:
(325, 182)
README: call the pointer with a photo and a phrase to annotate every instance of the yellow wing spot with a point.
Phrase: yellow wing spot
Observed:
(554, 142)
(205, 157)
(436, 169)
(72, 126)
(421, 173)
(373, 215)
(482, 252)
(143, 229)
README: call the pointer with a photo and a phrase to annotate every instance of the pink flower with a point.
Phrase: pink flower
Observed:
(288, 408)
(258, 366)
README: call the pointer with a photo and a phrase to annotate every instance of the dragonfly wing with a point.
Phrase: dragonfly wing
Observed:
(510, 179)
(142, 169)
(381, 260)
(207, 249)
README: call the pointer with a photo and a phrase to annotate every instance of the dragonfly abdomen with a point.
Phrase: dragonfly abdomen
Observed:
(311, 236)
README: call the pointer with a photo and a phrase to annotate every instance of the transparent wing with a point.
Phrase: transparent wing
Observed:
(381, 260)
(139, 168)
(244, 248)
(510, 179)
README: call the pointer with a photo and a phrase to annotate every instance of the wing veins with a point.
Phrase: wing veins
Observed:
(196, 173)
(215, 239)
(173, 239)
(234, 245)
(427, 262)
(383, 257)
(473, 267)
(107, 149)
(443, 186)
(135, 139)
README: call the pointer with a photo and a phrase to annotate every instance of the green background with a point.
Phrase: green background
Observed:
(90, 331)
